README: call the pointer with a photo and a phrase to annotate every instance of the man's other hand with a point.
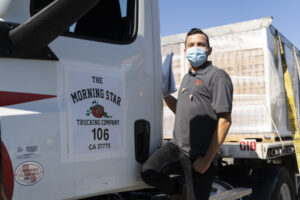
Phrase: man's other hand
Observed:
(201, 165)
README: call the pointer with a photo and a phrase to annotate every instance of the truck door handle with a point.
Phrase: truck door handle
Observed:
(141, 139)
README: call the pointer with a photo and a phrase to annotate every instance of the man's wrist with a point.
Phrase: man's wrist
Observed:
(208, 158)
(166, 96)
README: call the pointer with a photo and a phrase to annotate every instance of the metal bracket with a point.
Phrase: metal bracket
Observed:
(7, 49)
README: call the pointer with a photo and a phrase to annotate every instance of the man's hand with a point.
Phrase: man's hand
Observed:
(171, 102)
(201, 165)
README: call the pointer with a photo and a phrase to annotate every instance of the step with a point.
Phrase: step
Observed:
(232, 194)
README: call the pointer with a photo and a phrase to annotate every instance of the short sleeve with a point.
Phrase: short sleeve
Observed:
(222, 92)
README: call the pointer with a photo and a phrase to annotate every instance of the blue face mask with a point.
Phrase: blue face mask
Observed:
(196, 56)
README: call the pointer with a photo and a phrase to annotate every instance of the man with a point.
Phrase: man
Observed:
(203, 118)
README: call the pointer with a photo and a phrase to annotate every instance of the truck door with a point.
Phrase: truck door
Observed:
(100, 115)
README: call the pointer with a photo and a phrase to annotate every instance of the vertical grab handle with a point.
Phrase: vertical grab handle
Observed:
(142, 140)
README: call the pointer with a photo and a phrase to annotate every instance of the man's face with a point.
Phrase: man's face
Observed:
(197, 40)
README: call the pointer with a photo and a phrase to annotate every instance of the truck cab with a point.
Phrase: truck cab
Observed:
(80, 96)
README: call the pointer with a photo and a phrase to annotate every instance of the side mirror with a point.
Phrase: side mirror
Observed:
(4, 5)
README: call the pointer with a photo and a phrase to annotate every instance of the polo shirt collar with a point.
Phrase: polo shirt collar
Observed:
(203, 69)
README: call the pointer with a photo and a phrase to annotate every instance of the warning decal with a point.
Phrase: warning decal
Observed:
(29, 173)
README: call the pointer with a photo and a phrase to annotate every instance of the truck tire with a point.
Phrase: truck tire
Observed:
(283, 189)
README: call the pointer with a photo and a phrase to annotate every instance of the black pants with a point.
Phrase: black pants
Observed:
(165, 161)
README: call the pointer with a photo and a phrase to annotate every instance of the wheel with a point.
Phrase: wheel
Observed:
(283, 189)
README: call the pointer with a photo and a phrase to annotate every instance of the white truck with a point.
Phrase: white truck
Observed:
(81, 106)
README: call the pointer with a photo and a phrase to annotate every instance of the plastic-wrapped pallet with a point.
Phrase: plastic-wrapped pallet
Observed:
(250, 53)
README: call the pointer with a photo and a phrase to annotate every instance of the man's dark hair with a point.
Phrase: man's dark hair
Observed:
(194, 31)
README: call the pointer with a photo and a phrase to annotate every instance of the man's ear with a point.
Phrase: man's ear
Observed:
(209, 51)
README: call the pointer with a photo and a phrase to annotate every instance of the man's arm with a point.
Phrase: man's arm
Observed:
(171, 102)
(224, 122)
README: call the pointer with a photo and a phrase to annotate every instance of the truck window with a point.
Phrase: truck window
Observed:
(112, 21)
